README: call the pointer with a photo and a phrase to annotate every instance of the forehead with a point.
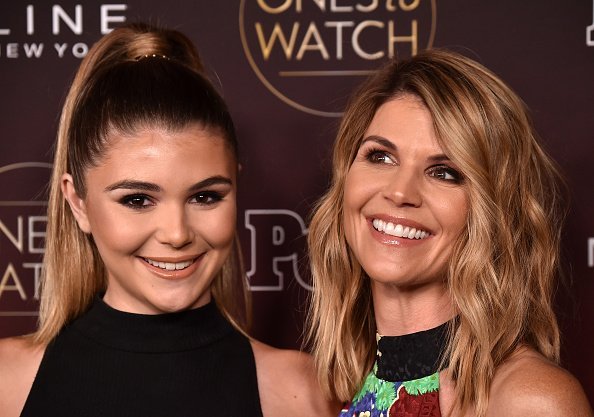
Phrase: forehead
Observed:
(159, 156)
(191, 135)
(404, 121)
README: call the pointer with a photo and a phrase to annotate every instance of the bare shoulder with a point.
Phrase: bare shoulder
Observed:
(19, 361)
(288, 385)
(527, 384)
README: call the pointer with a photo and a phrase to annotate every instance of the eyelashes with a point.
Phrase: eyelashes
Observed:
(440, 171)
(139, 201)
(136, 201)
(445, 173)
(207, 198)
(378, 156)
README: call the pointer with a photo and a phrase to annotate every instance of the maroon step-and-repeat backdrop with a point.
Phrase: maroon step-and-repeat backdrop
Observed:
(286, 68)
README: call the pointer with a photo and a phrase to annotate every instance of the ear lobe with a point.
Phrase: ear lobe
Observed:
(77, 204)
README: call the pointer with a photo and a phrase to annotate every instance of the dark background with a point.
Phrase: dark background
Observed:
(538, 47)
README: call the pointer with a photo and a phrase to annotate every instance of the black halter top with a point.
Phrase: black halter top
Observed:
(404, 381)
(112, 363)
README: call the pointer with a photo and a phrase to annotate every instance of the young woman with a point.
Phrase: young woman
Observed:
(435, 250)
(143, 308)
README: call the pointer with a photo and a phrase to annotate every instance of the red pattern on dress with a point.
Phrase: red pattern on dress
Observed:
(422, 405)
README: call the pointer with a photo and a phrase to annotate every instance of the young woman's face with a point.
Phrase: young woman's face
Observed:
(405, 203)
(161, 208)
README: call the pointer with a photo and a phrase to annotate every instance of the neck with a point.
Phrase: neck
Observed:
(412, 356)
(400, 311)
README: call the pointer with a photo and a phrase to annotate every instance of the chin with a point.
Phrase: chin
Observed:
(408, 281)
(169, 305)
(386, 273)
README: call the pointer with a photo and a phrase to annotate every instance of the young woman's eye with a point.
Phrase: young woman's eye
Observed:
(136, 201)
(376, 156)
(446, 173)
(207, 198)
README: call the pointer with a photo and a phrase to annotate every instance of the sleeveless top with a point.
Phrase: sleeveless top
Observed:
(112, 363)
(404, 381)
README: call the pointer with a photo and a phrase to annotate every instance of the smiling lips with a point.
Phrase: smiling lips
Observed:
(399, 230)
(170, 266)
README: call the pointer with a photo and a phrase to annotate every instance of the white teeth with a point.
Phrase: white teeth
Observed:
(398, 230)
(169, 266)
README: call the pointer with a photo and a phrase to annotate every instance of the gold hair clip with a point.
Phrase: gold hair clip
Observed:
(138, 58)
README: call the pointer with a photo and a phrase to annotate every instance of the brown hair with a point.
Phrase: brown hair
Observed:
(503, 266)
(138, 76)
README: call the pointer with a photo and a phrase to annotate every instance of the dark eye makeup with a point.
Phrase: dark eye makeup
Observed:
(138, 201)
(442, 172)
(207, 198)
(446, 173)
(378, 156)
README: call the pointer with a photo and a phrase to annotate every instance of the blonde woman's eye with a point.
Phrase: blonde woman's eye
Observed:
(376, 156)
(446, 173)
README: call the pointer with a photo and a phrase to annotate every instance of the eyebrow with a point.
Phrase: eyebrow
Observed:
(388, 144)
(380, 140)
(439, 158)
(149, 186)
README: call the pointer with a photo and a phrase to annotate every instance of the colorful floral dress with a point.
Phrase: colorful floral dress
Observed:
(404, 381)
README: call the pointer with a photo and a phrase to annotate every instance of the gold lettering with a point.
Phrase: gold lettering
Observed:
(37, 268)
(336, 8)
(413, 38)
(390, 6)
(277, 32)
(339, 26)
(35, 234)
(312, 31)
(408, 7)
(369, 8)
(321, 4)
(17, 242)
(275, 10)
(355, 39)
(10, 272)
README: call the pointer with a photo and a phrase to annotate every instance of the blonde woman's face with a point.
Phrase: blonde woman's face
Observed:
(161, 208)
(405, 202)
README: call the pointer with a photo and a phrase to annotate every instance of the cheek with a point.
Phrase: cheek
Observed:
(455, 212)
(354, 198)
(349, 204)
(355, 193)
(360, 187)
(218, 227)
(118, 233)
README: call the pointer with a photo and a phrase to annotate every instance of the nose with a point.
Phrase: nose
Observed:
(174, 228)
(403, 187)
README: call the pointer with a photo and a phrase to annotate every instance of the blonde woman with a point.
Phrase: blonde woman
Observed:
(143, 308)
(434, 252)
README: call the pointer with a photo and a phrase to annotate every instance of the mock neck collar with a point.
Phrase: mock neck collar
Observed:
(411, 356)
(170, 332)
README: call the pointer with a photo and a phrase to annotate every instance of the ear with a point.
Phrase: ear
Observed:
(77, 204)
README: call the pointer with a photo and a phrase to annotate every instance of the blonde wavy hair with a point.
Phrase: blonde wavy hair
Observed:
(503, 267)
(137, 76)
